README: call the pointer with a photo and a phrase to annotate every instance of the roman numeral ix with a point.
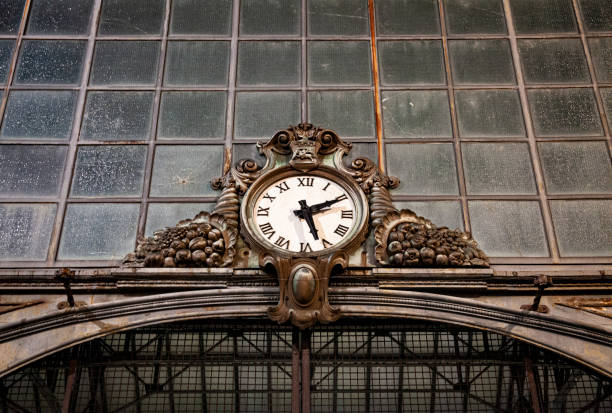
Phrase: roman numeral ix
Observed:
(264, 212)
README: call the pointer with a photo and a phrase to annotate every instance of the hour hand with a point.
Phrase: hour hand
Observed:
(306, 214)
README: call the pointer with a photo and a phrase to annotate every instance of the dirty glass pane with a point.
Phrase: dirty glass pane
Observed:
(59, 17)
(416, 114)
(497, 168)
(576, 167)
(50, 61)
(6, 53)
(160, 216)
(475, 16)
(196, 63)
(489, 113)
(11, 16)
(394, 17)
(423, 169)
(186, 170)
(98, 231)
(564, 112)
(481, 61)
(543, 16)
(261, 114)
(135, 17)
(270, 17)
(117, 116)
(553, 61)
(411, 62)
(508, 228)
(201, 17)
(39, 114)
(269, 63)
(109, 171)
(31, 170)
(597, 15)
(25, 231)
(601, 53)
(339, 63)
(247, 151)
(192, 115)
(441, 213)
(606, 96)
(125, 63)
(350, 113)
(583, 228)
(338, 17)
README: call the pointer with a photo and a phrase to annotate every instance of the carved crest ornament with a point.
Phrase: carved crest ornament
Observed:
(300, 217)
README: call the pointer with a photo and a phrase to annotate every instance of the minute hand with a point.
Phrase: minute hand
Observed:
(318, 207)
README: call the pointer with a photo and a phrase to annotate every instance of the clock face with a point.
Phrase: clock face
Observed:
(305, 213)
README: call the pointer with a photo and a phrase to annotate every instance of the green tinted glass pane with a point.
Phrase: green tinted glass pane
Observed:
(394, 17)
(11, 16)
(411, 62)
(475, 16)
(416, 114)
(109, 171)
(269, 63)
(117, 116)
(497, 168)
(160, 216)
(25, 231)
(6, 53)
(196, 63)
(441, 213)
(564, 112)
(601, 53)
(489, 113)
(60, 17)
(350, 113)
(597, 15)
(135, 17)
(31, 170)
(339, 63)
(338, 17)
(98, 231)
(270, 17)
(192, 115)
(261, 114)
(186, 170)
(508, 228)
(481, 61)
(606, 95)
(125, 63)
(50, 61)
(553, 61)
(423, 169)
(576, 167)
(39, 115)
(583, 227)
(543, 16)
(247, 151)
(201, 17)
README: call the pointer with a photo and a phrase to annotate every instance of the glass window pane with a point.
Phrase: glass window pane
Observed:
(50, 61)
(441, 213)
(553, 61)
(349, 113)
(508, 228)
(416, 114)
(197, 63)
(606, 95)
(269, 63)
(31, 170)
(6, 53)
(564, 112)
(39, 115)
(394, 17)
(60, 17)
(25, 231)
(117, 116)
(597, 15)
(489, 113)
(192, 115)
(261, 114)
(543, 16)
(140, 17)
(125, 63)
(160, 216)
(109, 171)
(201, 17)
(247, 151)
(186, 170)
(475, 16)
(411, 62)
(339, 63)
(270, 17)
(11, 16)
(498, 168)
(583, 228)
(98, 231)
(601, 52)
(338, 17)
(423, 169)
(481, 61)
(576, 167)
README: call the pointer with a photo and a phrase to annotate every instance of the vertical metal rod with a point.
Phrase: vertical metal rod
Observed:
(303, 65)
(269, 368)
(202, 372)
(368, 378)
(376, 80)
(400, 379)
(70, 385)
(236, 374)
(131, 336)
(434, 375)
(231, 87)
(305, 351)
(533, 387)
(335, 378)
(295, 370)
(170, 376)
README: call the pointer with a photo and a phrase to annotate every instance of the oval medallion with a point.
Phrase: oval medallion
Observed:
(304, 285)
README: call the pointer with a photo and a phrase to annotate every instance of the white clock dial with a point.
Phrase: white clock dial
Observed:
(305, 213)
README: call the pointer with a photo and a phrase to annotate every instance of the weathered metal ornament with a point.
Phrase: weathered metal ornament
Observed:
(304, 284)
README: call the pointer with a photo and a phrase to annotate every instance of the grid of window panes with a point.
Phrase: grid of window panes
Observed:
(117, 113)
